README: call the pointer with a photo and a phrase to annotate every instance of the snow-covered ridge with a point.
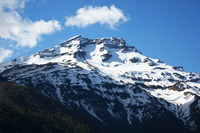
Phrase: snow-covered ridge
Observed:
(113, 57)
(107, 65)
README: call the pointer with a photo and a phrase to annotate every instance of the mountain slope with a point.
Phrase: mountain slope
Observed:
(111, 83)
(23, 110)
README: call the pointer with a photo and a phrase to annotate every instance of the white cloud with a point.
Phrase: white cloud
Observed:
(12, 4)
(31, 33)
(90, 15)
(22, 31)
(5, 53)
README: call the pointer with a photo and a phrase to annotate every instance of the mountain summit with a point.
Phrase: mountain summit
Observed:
(112, 84)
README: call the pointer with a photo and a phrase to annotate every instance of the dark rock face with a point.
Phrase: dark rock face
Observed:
(195, 109)
(178, 75)
(149, 62)
(179, 86)
(80, 54)
(180, 68)
(134, 60)
(106, 57)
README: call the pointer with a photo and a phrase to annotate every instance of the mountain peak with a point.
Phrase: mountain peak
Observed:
(71, 39)
(108, 77)
(111, 42)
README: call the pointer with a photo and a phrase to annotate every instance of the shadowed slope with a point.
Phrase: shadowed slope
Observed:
(23, 110)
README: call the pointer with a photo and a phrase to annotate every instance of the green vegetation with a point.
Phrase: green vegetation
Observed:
(24, 110)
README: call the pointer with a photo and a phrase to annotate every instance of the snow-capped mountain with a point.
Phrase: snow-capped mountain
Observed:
(110, 81)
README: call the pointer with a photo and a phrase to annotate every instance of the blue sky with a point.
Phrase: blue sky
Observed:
(165, 29)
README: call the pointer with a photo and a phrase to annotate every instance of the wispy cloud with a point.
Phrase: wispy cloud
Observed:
(5, 53)
(22, 31)
(90, 15)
